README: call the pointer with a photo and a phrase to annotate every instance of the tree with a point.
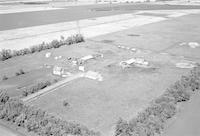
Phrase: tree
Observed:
(122, 128)
(65, 103)
(5, 77)
(3, 97)
(5, 54)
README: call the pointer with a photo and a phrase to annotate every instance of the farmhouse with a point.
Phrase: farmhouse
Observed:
(60, 71)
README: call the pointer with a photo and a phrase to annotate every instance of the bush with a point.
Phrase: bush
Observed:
(3, 97)
(20, 72)
(25, 93)
(38, 121)
(65, 103)
(122, 128)
(55, 44)
(153, 125)
(165, 99)
(6, 54)
(38, 86)
(178, 95)
(5, 77)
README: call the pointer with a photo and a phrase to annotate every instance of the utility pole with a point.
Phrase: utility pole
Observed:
(78, 26)
(111, 5)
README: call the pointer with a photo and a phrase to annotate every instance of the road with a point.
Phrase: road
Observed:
(16, 39)
(57, 86)
(35, 18)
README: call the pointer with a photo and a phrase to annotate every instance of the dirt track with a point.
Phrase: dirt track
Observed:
(28, 19)
(51, 88)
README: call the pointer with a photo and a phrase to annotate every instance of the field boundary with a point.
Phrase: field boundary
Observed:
(51, 88)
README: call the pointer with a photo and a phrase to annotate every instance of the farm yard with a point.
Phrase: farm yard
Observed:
(123, 92)
(110, 76)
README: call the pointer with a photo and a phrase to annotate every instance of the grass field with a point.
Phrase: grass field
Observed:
(98, 105)
(35, 67)
(123, 92)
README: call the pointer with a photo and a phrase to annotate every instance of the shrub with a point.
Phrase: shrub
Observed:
(25, 93)
(3, 97)
(6, 54)
(17, 73)
(55, 44)
(142, 117)
(38, 86)
(65, 103)
(154, 125)
(5, 77)
(20, 72)
(185, 81)
(21, 52)
(122, 128)
(165, 99)
(178, 95)
(38, 121)
(12, 109)
(169, 110)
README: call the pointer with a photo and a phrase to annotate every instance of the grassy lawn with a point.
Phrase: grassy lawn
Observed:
(123, 93)
(99, 105)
